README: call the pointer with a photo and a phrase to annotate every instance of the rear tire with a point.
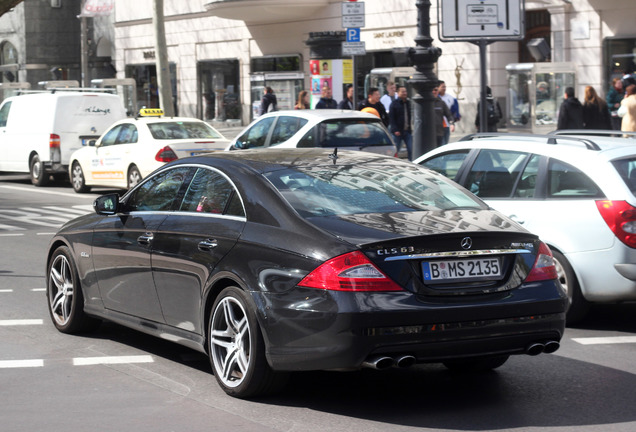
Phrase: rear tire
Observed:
(64, 295)
(476, 365)
(39, 176)
(578, 306)
(237, 349)
(78, 180)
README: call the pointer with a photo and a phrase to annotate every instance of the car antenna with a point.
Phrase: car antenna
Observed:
(334, 156)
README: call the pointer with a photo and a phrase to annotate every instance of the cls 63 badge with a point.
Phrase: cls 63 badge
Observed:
(395, 251)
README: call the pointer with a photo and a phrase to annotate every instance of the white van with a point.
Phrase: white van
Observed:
(39, 131)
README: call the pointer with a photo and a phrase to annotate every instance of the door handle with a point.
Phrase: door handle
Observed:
(145, 239)
(208, 245)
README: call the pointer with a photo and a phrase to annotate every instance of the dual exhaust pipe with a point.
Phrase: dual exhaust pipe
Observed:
(386, 362)
(405, 361)
(537, 348)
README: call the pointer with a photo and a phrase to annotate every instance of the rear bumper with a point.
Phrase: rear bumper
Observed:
(334, 330)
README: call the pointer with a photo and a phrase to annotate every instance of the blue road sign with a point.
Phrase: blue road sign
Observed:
(353, 35)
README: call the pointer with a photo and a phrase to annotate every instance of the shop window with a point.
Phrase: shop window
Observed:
(219, 89)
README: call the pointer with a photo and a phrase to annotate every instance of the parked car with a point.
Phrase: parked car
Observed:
(39, 131)
(132, 148)
(272, 261)
(345, 129)
(575, 192)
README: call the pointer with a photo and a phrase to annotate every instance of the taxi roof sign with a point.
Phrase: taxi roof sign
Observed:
(150, 112)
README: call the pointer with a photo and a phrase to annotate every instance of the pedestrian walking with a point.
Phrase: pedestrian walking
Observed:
(268, 102)
(614, 97)
(628, 109)
(452, 103)
(326, 101)
(303, 100)
(400, 122)
(441, 110)
(493, 112)
(596, 115)
(373, 101)
(347, 102)
(570, 112)
(388, 98)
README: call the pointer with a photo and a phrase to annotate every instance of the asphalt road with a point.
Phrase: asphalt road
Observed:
(121, 380)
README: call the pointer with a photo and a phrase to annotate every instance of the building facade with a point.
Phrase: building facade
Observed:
(223, 52)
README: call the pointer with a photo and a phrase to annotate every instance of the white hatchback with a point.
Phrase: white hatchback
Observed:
(576, 192)
(344, 129)
(133, 148)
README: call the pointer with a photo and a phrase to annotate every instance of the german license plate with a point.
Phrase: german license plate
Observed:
(461, 269)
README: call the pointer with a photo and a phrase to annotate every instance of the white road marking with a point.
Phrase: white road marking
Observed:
(21, 322)
(11, 228)
(6, 290)
(42, 191)
(38, 289)
(43, 234)
(85, 361)
(605, 340)
(21, 363)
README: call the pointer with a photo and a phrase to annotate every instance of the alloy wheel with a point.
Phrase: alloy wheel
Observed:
(61, 290)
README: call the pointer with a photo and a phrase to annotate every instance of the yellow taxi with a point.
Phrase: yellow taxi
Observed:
(134, 147)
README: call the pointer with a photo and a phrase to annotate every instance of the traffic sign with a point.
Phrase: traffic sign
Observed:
(353, 14)
(353, 48)
(353, 35)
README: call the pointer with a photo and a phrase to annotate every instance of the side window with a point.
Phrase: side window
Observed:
(495, 172)
(285, 128)
(256, 135)
(447, 164)
(528, 181)
(565, 181)
(309, 140)
(110, 138)
(159, 192)
(127, 134)
(4, 114)
(210, 192)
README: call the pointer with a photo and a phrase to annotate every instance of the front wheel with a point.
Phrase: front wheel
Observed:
(578, 305)
(78, 180)
(134, 177)
(64, 295)
(39, 176)
(237, 349)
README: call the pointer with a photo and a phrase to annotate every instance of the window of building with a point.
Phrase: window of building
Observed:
(219, 90)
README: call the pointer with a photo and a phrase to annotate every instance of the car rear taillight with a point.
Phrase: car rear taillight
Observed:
(543, 268)
(166, 154)
(620, 217)
(54, 141)
(349, 272)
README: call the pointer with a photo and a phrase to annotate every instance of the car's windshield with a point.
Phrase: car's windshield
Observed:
(352, 133)
(370, 188)
(182, 130)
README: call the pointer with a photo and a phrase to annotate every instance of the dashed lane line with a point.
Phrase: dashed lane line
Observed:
(18, 322)
(11, 364)
(605, 340)
(78, 361)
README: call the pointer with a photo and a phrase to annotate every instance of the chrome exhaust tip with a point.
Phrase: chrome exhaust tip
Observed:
(551, 346)
(405, 361)
(535, 349)
(379, 363)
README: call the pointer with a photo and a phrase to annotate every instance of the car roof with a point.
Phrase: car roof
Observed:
(265, 160)
(565, 147)
(322, 114)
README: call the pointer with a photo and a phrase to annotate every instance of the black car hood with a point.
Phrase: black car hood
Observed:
(360, 229)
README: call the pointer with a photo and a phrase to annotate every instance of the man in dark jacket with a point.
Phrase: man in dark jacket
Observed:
(326, 101)
(400, 121)
(268, 103)
(347, 102)
(373, 101)
(571, 111)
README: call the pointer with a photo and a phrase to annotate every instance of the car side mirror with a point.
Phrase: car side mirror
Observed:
(107, 204)
(240, 145)
(92, 143)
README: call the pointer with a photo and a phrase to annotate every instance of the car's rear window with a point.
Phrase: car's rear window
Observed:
(352, 133)
(182, 130)
(627, 170)
(372, 188)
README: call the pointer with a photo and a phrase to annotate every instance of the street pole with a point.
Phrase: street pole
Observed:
(424, 56)
(483, 105)
(163, 67)
(84, 53)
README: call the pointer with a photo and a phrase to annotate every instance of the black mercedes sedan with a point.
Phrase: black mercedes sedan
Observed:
(273, 261)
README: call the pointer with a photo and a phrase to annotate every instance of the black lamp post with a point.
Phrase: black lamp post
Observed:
(423, 57)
